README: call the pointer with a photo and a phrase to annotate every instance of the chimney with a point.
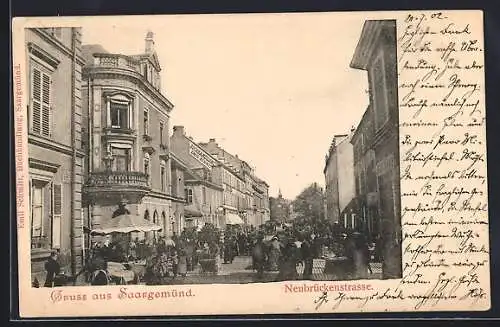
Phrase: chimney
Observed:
(150, 43)
(179, 130)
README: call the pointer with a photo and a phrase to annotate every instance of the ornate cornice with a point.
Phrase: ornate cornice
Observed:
(132, 75)
(44, 55)
(43, 165)
(53, 145)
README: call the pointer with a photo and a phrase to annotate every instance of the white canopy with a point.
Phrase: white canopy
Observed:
(232, 219)
(125, 224)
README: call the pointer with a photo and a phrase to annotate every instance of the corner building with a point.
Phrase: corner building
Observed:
(126, 121)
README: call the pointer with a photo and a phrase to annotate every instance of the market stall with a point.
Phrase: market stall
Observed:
(125, 271)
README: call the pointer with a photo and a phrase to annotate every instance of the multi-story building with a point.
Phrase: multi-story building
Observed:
(376, 54)
(245, 195)
(365, 175)
(126, 122)
(339, 180)
(54, 64)
(203, 186)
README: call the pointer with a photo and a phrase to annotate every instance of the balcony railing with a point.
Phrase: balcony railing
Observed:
(116, 60)
(118, 178)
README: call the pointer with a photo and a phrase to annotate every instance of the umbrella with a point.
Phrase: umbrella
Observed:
(125, 224)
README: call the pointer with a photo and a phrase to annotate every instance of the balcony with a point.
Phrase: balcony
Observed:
(116, 61)
(116, 185)
(119, 133)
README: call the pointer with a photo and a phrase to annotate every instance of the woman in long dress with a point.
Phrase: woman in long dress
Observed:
(182, 265)
(274, 254)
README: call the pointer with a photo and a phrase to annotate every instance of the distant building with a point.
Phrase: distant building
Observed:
(203, 190)
(244, 193)
(339, 181)
(126, 120)
(55, 154)
(280, 208)
(376, 141)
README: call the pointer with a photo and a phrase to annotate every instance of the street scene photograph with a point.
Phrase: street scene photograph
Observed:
(213, 150)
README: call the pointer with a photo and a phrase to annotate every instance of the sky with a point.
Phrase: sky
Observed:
(271, 88)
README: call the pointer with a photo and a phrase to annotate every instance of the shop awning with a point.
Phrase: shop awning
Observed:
(125, 224)
(190, 213)
(232, 219)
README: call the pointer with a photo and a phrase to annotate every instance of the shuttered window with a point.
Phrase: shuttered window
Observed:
(40, 102)
(56, 215)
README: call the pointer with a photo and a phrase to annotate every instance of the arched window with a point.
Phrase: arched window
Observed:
(163, 176)
(146, 214)
(155, 221)
(164, 223)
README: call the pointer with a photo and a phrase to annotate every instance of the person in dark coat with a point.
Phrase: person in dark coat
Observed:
(53, 269)
(288, 264)
(259, 257)
(360, 255)
(308, 257)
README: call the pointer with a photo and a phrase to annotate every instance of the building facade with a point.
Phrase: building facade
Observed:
(376, 54)
(280, 208)
(367, 194)
(339, 180)
(126, 121)
(245, 195)
(203, 189)
(54, 64)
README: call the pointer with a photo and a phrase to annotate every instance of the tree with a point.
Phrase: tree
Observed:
(309, 204)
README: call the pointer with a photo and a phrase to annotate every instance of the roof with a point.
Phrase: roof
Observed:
(367, 42)
(88, 51)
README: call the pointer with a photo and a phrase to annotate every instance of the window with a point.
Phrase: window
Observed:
(204, 195)
(379, 92)
(40, 85)
(37, 214)
(146, 122)
(119, 114)
(46, 211)
(145, 70)
(189, 195)
(146, 164)
(163, 176)
(121, 158)
(161, 132)
(164, 223)
(146, 215)
(155, 221)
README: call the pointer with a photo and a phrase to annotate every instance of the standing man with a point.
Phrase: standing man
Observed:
(53, 269)
(308, 257)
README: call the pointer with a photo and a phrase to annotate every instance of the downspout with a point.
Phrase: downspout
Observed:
(73, 158)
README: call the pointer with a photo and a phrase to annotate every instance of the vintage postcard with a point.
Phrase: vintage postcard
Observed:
(251, 164)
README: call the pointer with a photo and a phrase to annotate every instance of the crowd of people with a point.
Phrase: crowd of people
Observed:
(284, 247)
(275, 247)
